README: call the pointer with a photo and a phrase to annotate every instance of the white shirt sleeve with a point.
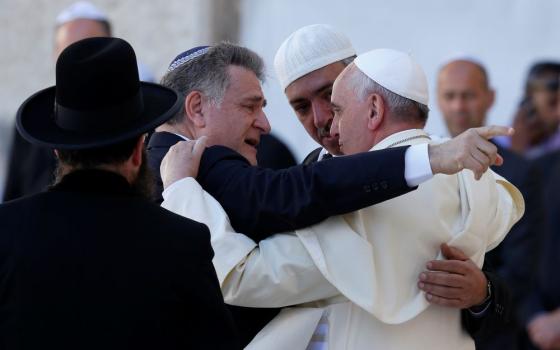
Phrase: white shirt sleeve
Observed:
(417, 168)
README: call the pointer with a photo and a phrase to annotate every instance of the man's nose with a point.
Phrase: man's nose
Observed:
(322, 114)
(458, 104)
(334, 127)
(262, 123)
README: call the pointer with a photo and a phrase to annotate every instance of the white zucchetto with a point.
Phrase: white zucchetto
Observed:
(396, 71)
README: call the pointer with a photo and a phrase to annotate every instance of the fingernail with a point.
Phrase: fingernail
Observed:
(429, 296)
(421, 285)
(423, 276)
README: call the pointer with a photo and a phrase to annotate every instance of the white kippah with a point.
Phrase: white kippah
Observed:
(80, 10)
(308, 49)
(396, 71)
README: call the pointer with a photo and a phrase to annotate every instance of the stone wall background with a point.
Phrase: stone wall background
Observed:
(158, 31)
(507, 35)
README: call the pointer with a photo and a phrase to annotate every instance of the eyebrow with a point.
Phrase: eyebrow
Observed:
(335, 106)
(315, 92)
(256, 99)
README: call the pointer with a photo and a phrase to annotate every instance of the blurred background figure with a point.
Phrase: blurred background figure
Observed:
(464, 98)
(31, 167)
(537, 119)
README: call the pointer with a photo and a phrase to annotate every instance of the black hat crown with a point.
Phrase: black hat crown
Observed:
(97, 85)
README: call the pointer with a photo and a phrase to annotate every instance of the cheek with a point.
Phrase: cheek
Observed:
(309, 126)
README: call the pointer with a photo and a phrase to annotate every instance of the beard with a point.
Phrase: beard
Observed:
(143, 184)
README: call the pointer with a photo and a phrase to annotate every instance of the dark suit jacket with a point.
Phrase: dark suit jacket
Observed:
(300, 196)
(545, 296)
(90, 265)
(30, 168)
(273, 153)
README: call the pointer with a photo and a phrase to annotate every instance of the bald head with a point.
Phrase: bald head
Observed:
(78, 29)
(464, 95)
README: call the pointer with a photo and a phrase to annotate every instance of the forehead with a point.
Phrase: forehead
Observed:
(80, 29)
(308, 85)
(461, 74)
(342, 92)
(243, 83)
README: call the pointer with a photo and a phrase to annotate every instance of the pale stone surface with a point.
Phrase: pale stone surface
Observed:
(158, 31)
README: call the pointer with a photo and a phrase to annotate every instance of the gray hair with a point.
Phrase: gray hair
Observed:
(346, 61)
(402, 108)
(208, 73)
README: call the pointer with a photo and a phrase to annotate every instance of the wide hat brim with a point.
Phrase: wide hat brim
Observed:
(36, 122)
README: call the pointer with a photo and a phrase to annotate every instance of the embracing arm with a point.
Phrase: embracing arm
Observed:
(275, 273)
(261, 202)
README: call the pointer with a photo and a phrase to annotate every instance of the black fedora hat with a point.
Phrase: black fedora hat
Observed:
(98, 99)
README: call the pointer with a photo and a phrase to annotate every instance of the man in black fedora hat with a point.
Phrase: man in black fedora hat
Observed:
(93, 263)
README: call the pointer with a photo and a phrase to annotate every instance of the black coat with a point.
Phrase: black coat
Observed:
(30, 169)
(90, 265)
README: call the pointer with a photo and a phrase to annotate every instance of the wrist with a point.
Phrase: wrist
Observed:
(488, 297)
(433, 155)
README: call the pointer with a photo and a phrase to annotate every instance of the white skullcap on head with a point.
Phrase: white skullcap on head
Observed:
(308, 49)
(80, 10)
(396, 71)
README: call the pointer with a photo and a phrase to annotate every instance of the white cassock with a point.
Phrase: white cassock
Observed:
(350, 281)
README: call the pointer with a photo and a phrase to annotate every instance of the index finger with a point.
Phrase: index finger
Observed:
(180, 146)
(491, 131)
(450, 266)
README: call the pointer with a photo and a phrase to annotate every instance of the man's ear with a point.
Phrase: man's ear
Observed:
(376, 111)
(194, 108)
(136, 156)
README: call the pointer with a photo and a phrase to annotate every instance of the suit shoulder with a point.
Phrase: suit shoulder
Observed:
(313, 156)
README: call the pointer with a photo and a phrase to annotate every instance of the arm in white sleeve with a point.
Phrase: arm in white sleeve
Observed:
(417, 168)
(277, 272)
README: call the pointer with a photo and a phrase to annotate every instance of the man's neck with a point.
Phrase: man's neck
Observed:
(119, 169)
(393, 129)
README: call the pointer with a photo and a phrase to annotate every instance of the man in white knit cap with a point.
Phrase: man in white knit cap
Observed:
(307, 64)
(351, 279)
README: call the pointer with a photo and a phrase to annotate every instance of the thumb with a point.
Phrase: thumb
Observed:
(499, 160)
(199, 147)
(452, 253)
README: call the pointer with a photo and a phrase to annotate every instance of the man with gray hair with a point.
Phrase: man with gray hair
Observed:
(352, 277)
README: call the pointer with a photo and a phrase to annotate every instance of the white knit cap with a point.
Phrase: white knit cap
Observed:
(80, 10)
(396, 71)
(308, 49)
